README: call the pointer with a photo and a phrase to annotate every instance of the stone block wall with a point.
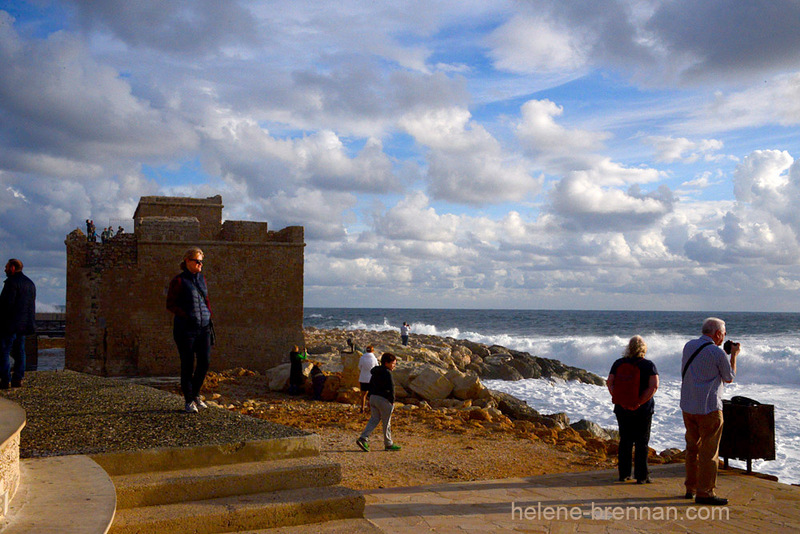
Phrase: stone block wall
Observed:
(12, 420)
(117, 321)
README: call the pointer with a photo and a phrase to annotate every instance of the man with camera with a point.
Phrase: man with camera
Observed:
(704, 368)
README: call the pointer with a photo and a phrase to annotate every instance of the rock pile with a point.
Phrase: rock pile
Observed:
(435, 372)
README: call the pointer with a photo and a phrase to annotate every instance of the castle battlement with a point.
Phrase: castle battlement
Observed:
(116, 319)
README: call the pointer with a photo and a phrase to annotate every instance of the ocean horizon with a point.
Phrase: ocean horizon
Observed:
(768, 366)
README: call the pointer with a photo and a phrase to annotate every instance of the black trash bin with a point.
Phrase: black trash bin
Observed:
(748, 432)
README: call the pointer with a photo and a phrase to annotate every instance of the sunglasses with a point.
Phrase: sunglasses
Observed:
(199, 262)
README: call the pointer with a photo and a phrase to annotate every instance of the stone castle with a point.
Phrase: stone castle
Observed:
(116, 318)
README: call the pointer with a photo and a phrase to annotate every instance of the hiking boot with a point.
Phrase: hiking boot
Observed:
(190, 408)
(393, 447)
(198, 402)
(362, 444)
(16, 383)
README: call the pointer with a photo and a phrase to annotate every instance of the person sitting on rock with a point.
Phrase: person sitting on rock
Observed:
(381, 403)
(317, 381)
(365, 366)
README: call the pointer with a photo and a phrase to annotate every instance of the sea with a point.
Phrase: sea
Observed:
(768, 365)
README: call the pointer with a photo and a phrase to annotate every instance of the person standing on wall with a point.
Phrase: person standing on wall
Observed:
(187, 298)
(17, 320)
(704, 368)
(632, 382)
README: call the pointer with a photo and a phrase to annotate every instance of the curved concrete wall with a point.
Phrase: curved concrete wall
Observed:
(12, 421)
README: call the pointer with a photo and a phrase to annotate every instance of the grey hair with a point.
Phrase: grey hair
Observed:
(637, 348)
(712, 325)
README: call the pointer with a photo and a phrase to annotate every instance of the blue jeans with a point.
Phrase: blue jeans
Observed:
(12, 345)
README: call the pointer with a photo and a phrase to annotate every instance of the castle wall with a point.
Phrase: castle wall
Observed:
(117, 321)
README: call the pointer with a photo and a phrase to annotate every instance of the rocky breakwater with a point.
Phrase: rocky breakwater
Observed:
(443, 373)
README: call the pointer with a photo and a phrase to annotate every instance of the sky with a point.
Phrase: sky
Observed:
(440, 154)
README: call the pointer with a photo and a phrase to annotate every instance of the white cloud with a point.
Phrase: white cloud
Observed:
(670, 149)
(530, 44)
(554, 146)
(466, 164)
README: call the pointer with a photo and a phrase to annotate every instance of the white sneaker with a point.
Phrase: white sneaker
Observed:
(200, 404)
(190, 408)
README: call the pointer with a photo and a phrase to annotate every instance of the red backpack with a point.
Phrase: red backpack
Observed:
(626, 386)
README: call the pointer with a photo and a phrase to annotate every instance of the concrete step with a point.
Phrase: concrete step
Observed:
(167, 487)
(337, 526)
(243, 513)
(172, 458)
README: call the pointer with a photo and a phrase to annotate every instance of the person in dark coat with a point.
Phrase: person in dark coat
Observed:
(296, 378)
(17, 320)
(187, 298)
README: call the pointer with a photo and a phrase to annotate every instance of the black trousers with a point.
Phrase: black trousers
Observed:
(193, 344)
(634, 429)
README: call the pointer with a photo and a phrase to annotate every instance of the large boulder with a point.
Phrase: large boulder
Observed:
(465, 386)
(321, 349)
(592, 428)
(348, 395)
(278, 377)
(513, 407)
(350, 370)
(431, 384)
(331, 389)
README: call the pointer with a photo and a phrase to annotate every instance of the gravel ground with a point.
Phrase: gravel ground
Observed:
(76, 413)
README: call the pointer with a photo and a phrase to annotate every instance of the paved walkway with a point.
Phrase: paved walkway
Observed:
(586, 502)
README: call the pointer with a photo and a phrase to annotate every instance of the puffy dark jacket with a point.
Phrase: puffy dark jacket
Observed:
(382, 383)
(18, 305)
(187, 298)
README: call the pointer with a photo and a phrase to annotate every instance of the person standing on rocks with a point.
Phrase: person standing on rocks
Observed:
(296, 378)
(404, 330)
(187, 298)
(632, 382)
(366, 363)
(381, 403)
(704, 368)
(17, 320)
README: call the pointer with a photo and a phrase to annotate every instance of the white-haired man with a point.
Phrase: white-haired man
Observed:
(704, 368)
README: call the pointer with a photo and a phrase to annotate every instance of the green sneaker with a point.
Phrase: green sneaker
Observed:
(393, 447)
(363, 445)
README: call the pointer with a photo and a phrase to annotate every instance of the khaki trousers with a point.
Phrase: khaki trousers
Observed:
(703, 433)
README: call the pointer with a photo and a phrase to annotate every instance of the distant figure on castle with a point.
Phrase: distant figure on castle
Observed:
(120, 230)
(91, 231)
(187, 298)
(296, 378)
(17, 316)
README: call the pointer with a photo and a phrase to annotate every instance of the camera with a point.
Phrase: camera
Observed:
(728, 345)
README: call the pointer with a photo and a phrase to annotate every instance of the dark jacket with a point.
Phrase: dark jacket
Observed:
(382, 383)
(187, 298)
(18, 305)
(296, 376)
